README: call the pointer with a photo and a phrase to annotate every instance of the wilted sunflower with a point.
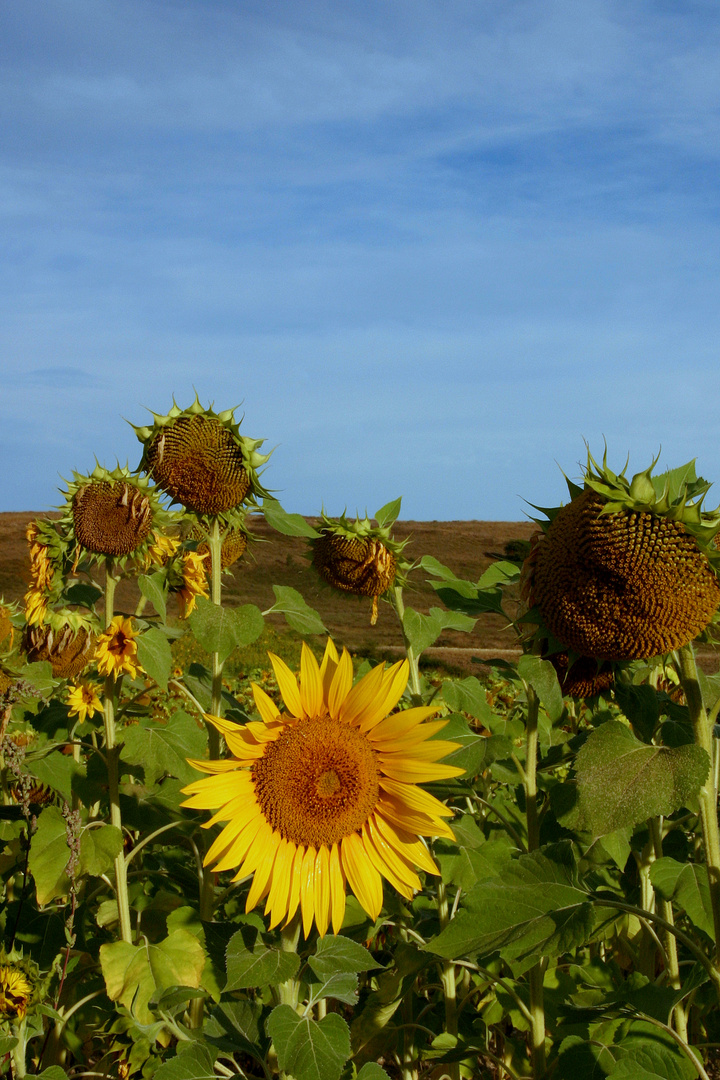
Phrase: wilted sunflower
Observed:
(326, 793)
(116, 651)
(356, 557)
(44, 543)
(627, 570)
(113, 514)
(68, 646)
(161, 550)
(194, 568)
(201, 460)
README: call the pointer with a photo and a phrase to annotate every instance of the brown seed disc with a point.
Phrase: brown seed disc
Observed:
(5, 624)
(354, 564)
(623, 586)
(318, 782)
(111, 519)
(233, 547)
(68, 651)
(585, 678)
(197, 461)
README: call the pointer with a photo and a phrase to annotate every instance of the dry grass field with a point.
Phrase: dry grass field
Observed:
(467, 547)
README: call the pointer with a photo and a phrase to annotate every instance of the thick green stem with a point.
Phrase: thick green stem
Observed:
(447, 978)
(396, 599)
(669, 942)
(289, 991)
(112, 753)
(207, 885)
(702, 729)
(536, 973)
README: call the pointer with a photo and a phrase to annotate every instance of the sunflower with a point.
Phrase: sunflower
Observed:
(161, 550)
(16, 991)
(201, 460)
(326, 793)
(43, 570)
(83, 700)
(627, 570)
(356, 557)
(68, 648)
(233, 546)
(36, 603)
(116, 651)
(194, 580)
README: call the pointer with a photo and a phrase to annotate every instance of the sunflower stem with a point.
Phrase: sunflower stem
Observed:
(289, 991)
(396, 599)
(207, 886)
(702, 729)
(112, 752)
(537, 972)
(671, 953)
(447, 978)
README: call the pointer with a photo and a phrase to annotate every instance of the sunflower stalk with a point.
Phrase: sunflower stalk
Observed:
(702, 729)
(671, 953)
(536, 973)
(113, 765)
(396, 599)
(447, 978)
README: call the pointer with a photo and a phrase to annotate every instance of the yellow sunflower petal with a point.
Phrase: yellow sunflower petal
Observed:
(337, 889)
(321, 895)
(212, 791)
(362, 697)
(363, 878)
(279, 895)
(262, 732)
(327, 667)
(397, 724)
(242, 803)
(265, 705)
(233, 844)
(409, 771)
(401, 816)
(408, 846)
(419, 751)
(256, 850)
(226, 765)
(340, 685)
(307, 890)
(415, 798)
(392, 689)
(413, 738)
(295, 878)
(311, 690)
(388, 863)
(263, 871)
(287, 684)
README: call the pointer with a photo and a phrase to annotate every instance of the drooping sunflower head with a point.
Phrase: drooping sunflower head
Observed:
(326, 793)
(583, 676)
(48, 544)
(628, 568)
(357, 557)
(201, 460)
(66, 640)
(113, 514)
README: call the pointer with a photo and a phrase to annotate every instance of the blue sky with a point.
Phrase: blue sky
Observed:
(431, 246)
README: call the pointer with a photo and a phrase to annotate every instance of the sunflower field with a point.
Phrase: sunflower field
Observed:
(219, 860)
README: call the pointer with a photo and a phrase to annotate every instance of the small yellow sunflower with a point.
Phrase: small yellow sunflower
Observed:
(162, 549)
(326, 793)
(84, 700)
(36, 603)
(16, 991)
(194, 580)
(116, 652)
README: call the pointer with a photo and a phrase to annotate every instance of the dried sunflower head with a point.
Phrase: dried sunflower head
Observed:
(113, 514)
(357, 557)
(66, 642)
(627, 569)
(201, 460)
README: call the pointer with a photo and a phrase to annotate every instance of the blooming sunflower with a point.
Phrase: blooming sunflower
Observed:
(16, 991)
(83, 700)
(194, 569)
(326, 793)
(116, 651)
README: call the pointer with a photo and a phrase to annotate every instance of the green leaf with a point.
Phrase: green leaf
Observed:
(250, 963)
(542, 676)
(235, 1025)
(134, 974)
(532, 908)
(687, 885)
(194, 1061)
(298, 614)
(57, 770)
(99, 847)
(467, 866)
(153, 589)
(622, 781)
(387, 515)
(287, 524)
(469, 696)
(372, 1071)
(423, 630)
(83, 594)
(220, 629)
(163, 749)
(640, 705)
(306, 1049)
(155, 656)
(336, 954)
(49, 855)
(646, 1051)
(53, 1073)
(342, 987)
(38, 675)
(471, 756)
